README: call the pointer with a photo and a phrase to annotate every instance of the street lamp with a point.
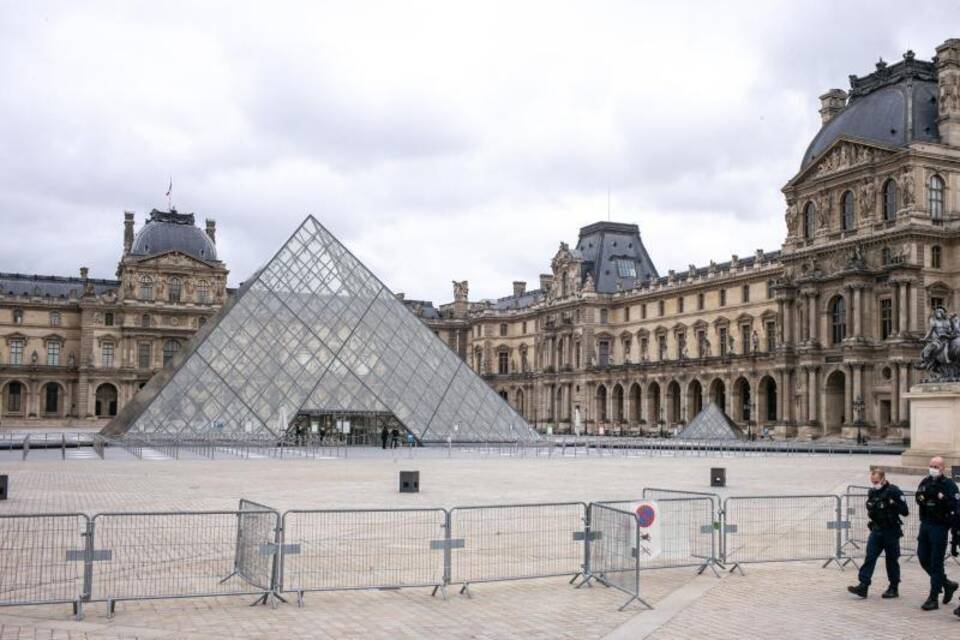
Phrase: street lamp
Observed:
(858, 406)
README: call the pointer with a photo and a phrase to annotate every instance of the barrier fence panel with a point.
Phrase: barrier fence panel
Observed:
(340, 549)
(171, 555)
(614, 544)
(688, 532)
(782, 528)
(513, 542)
(42, 559)
(255, 559)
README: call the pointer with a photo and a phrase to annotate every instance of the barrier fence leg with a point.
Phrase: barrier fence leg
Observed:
(447, 557)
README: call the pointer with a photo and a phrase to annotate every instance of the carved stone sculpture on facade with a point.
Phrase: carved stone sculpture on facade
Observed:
(907, 188)
(867, 199)
(460, 291)
(940, 355)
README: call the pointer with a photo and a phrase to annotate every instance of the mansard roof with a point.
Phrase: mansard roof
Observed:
(601, 244)
(20, 284)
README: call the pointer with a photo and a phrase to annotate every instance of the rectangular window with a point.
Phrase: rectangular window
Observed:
(660, 307)
(936, 302)
(769, 289)
(681, 344)
(106, 354)
(603, 316)
(723, 297)
(644, 347)
(626, 268)
(680, 304)
(643, 311)
(503, 364)
(524, 327)
(603, 353)
(722, 333)
(886, 318)
(576, 354)
(662, 347)
(700, 302)
(53, 353)
(746, 293)
(503, 329)
(55, 318)
(771, 336)
(108, 319)
(745, 340)
(143, 355)
(626, 314)
(16, 351)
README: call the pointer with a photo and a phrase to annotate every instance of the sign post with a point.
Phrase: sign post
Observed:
(648, 522)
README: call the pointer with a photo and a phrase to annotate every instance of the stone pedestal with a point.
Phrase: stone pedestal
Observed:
(934, 424)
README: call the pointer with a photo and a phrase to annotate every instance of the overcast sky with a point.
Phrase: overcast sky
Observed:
(439, 141)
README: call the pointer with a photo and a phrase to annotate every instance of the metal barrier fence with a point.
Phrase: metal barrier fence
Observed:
(255, 559)
(614, 551)
(42, 559)
(346, 549)
(514, 542)
(689, 533)
(782, 529)
(189, 554)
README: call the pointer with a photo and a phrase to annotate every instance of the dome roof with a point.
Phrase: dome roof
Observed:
(893, 106)
(172, 231)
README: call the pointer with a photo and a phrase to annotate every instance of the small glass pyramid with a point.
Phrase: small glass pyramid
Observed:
(315, 331)
(710, 424)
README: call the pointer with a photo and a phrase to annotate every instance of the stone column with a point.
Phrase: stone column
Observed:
(782, 317)
(848, 396)
(812, 394)
(903, 291)
(895, 396)
(858, 312)
(904, 388)
(804, 385)
(812, 312)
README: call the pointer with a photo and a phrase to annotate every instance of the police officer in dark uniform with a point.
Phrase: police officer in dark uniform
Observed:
(885, 506)
(939, 501)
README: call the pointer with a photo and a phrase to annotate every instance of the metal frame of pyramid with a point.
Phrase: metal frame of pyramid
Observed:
(711, 424)
(314, 329)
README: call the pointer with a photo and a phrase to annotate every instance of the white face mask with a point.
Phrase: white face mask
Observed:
(934, 472)
(877, 485)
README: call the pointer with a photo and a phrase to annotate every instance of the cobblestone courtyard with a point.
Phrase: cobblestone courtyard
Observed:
(790, 600)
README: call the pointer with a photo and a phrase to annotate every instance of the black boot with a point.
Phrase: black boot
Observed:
(956, 612)
(859, 590)
(891, 592)
(949, 588)
(931, 603)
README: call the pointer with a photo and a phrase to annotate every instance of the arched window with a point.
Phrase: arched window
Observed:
(105, 405)
(146, 288)
(890, 200)
(173, 290)
(846, 222)
(203, 292)
(838, 320)
(809, 213)
(935, 256)
(170, 349)
(936, 197)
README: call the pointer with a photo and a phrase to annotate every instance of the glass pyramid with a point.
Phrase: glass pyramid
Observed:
(710, 424)
(315, 331)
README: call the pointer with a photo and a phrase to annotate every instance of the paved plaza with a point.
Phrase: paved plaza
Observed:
(789, 600)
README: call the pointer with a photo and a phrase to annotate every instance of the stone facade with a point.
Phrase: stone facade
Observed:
(73, 351)
(789, 341)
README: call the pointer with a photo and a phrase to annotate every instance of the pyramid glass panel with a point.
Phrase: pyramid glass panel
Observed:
(315, 332)
(711, 424)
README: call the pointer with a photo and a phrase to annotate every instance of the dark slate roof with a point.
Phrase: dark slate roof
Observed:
(528, 299)
(721, 267)
(423, 309)
(172, 231)
(879, 106)
(19, 284)
(601, 243)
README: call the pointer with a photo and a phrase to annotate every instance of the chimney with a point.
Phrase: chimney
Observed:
(832, 103)
(83, 273)
(212, 230)
(546, 279)
(127, 231)
(948, 79)
(519, 288)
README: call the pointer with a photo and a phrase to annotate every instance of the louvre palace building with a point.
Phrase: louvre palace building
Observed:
(813, 339)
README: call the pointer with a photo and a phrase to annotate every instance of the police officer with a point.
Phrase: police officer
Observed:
(939, 501)
(885, 506)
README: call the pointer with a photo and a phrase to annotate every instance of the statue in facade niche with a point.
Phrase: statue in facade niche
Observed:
(907, 188)
(792, 216)
(755, 339)
(867, 199)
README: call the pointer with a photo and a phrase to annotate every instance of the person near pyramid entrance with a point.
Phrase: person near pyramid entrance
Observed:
(886, 504)
(384, 434)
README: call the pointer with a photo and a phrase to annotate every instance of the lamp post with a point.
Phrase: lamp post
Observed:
(858, 406)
